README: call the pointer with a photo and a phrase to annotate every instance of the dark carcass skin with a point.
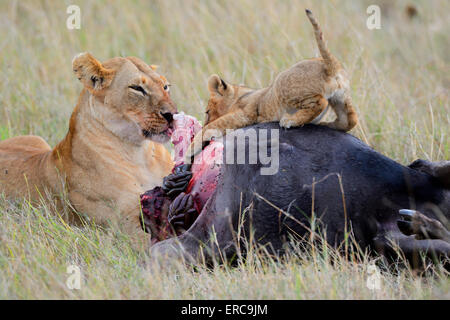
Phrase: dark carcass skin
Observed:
(351, 186)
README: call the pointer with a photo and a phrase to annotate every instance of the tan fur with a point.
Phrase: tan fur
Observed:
(296, 97)
(105, 161)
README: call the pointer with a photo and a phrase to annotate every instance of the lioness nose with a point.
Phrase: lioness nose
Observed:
(168, 116)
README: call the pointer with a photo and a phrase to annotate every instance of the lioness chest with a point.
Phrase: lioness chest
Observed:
(115, 179)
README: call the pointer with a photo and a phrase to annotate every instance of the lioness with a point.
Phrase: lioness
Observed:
(111, 153)
(296, 97)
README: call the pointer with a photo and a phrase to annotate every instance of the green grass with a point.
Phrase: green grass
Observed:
(400, 80)
(37, 247)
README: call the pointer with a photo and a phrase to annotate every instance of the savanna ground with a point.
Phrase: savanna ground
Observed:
(400, 80)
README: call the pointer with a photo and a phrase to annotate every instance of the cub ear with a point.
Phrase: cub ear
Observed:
(91, 72)
(217, 85)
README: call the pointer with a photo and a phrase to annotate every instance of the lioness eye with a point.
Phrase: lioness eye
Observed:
(138, 88)
(166, 87)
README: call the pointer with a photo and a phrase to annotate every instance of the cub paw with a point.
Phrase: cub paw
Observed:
(286, 123)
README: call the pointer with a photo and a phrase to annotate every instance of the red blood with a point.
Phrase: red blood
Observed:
(205, 174)
(206, 166)
(152, 203)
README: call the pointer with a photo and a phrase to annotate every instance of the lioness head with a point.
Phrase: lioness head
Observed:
(221, 97)
(127, 96)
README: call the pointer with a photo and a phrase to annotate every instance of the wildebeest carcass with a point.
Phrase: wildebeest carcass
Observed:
(347, 187)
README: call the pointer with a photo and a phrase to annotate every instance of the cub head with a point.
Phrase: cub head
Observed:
(127, 96)
(221, 97)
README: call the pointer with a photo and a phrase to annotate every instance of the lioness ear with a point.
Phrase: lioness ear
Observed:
(91, 72)
(217, 85)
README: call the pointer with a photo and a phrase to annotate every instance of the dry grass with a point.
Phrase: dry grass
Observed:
(400, 81)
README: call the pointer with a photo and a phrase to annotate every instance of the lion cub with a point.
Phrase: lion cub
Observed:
(298, 96)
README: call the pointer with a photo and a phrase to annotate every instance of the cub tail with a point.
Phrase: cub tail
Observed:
(331, 63)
